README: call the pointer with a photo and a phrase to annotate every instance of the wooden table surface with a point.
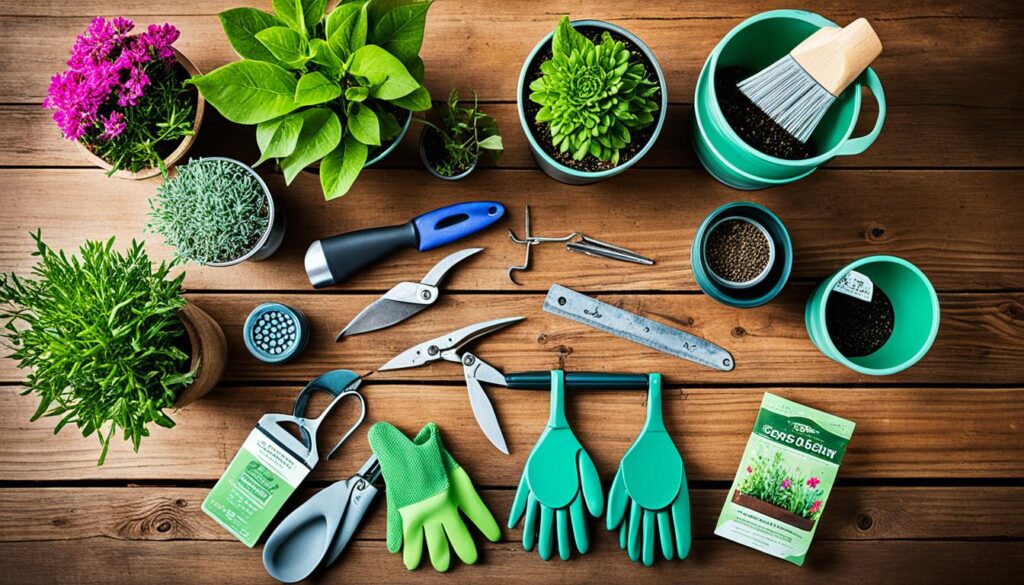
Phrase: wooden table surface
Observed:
(931, 489)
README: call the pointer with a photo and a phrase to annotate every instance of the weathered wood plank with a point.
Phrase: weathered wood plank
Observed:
(854, 563)
(173, 513)
(966, 241)
(901, 433)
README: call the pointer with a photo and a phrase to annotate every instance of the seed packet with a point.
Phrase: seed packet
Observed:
(784, 479)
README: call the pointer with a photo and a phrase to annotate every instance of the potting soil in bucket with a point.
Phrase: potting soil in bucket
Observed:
(784, 478)
(751, 124)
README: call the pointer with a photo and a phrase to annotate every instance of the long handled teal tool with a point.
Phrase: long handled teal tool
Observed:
(650, 489)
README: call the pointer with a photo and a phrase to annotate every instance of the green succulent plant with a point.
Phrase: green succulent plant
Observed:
(100, 338)
(592, 95)
(210, 211)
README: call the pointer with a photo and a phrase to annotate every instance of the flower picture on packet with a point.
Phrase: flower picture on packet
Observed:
(123, 95)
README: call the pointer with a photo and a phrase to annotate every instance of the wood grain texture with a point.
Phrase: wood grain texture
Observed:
(968, 240)
(901, 432)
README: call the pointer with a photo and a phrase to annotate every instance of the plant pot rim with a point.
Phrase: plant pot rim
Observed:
(175, 155)
(391, 147)
(212, 346)
(663, 109)
(731, 284)
(430, 167)
(271, 211)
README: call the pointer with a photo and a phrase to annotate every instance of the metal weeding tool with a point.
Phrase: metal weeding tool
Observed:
(405, 299)
(584, 245)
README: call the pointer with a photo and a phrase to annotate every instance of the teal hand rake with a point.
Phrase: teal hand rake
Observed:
(649, 502)
(559, 480)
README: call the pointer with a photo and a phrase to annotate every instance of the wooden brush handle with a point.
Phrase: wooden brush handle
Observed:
(834, 57)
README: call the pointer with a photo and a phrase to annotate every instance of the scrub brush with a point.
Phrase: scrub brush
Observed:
(799, 88)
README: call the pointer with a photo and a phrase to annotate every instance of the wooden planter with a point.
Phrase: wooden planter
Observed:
(178, 153)
(772, 511)
(209, 353)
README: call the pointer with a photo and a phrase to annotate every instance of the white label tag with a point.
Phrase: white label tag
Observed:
(856, 285)
(267, 452)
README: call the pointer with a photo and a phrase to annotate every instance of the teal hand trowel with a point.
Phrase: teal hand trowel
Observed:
(649, 502)
(273, 462)
(559, 480)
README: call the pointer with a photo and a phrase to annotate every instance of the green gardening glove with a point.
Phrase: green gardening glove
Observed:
(426, 489)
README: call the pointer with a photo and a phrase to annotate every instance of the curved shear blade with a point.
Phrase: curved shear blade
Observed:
(440, 270)
(483, 410)
(379, 314)
(436, 349)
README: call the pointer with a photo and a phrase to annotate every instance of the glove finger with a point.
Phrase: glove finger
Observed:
(413, 551)
(437, 546)
(458, 534)
(425, 433)
(530, 524)
(394, 528)
(593, 494)
(648, 538)
(579, 525)
(519, 503)
(617, 500)
(562, 526)
(623, 534)
(681, 523)
(546, 529)
(633, 544)
(468, 500)
(665, 532)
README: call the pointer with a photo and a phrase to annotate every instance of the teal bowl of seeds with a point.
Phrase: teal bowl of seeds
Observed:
(741, 255)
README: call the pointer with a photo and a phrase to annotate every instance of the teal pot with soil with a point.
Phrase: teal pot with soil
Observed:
(765, 156)
(580, 150)
(880, 333)
(741, 255)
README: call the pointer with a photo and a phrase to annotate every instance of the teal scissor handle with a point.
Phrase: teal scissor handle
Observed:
(577, 381)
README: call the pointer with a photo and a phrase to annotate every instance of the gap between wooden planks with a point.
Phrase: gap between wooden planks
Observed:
(961, 229)
(901, 432)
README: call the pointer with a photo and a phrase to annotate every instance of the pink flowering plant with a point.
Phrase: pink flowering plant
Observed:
(123, 95)
(771, 481)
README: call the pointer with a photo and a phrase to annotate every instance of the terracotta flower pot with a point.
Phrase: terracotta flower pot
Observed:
(177, 153)
(209, 353)
(772, 511)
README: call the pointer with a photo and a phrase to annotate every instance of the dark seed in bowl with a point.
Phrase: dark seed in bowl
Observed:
(737, 251)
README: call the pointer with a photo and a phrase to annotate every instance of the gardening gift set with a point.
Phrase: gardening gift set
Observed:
(109, 341)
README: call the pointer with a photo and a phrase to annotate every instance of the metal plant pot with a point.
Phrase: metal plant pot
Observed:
(272, 237)
(430, 167)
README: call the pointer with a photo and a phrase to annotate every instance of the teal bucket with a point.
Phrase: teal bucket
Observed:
(754, 44)
(915, 306)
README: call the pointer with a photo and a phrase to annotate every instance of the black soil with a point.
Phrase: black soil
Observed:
(639, 137)
(856, 327)
(754, 126)
(433, 148)
(737, 251)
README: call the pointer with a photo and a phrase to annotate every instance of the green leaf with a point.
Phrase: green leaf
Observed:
(364, 126)
(314, 88)
(390, 79)
(400, 30)
(321, 132)
(277, 138)
(346, 28)
(415, 67)
(491, 143)
(248, 92)
(341, 167)
(417, 101)
(241, 25)
(313, 12)
(567, 38)
(290, 11)
(324, 56)
(357, 93)
(290, 47)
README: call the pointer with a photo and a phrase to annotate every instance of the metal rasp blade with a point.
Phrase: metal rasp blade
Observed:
(379, 314)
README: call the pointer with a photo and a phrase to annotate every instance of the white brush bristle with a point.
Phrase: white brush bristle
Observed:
(790, 96)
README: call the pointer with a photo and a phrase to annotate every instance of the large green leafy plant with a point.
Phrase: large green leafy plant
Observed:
(101, 339)
(592, 95)
(322, 87)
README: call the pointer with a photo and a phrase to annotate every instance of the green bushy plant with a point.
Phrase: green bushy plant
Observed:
(592, 95)
(322, 86)
(210, 211)
(100, 337)
(769, 480)
(464, 134)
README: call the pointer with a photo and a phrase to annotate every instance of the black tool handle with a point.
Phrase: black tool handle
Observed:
(350, 252)
(577, 381)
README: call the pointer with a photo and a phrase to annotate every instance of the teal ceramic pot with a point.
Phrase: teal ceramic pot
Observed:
(768, 285)
(556, 169)
(754, 44)
(379, 156)
(915, 306)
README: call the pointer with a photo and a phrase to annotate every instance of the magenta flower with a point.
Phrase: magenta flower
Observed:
(786, 483)
(750, 469)
(815, 506)
(113, 125)
(813, 482)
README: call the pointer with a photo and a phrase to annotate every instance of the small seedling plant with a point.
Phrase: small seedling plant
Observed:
(592, 95)
(771, 481)
(464, 134)
(322, 87)
(100, 338)
(210, 211)
(123, 95)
